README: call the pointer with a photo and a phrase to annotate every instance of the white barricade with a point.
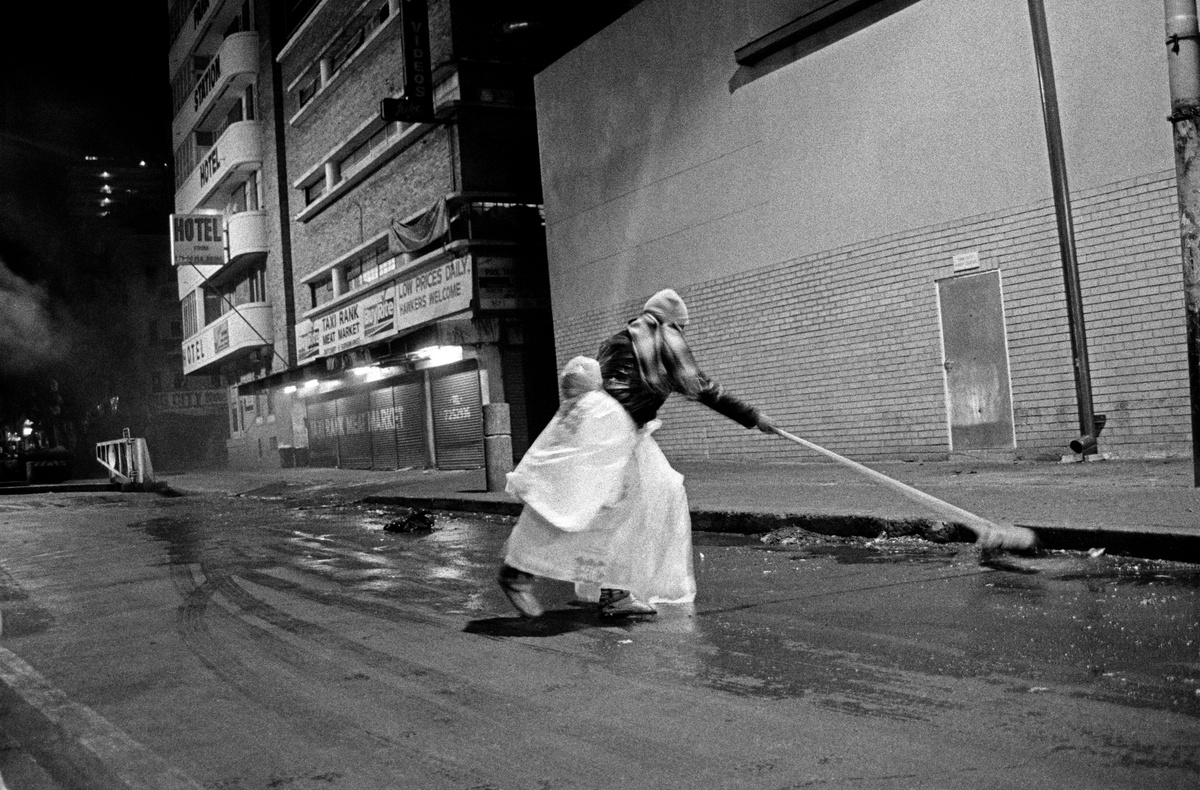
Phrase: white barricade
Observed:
(127, 460)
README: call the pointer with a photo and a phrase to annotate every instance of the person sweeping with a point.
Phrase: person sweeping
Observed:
(635, 548)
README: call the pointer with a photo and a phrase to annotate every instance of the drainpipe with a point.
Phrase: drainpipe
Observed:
(1086, 443)
(1183, 63)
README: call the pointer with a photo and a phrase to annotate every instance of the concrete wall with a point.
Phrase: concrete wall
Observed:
(807, 214)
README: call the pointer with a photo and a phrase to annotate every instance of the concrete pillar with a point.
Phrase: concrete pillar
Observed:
(326, 70)
(333, 174)
(497, 445)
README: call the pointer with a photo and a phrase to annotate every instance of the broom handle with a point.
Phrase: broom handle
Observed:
(976, 523)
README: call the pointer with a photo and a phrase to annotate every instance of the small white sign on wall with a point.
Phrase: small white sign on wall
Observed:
(966, 260)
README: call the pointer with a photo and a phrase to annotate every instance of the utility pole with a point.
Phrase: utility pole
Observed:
(1183, 63)
(1088, 431)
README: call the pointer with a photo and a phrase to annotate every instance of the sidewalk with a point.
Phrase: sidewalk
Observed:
(1142, 508)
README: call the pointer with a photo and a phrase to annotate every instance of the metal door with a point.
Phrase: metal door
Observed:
(975, 358)
(321, 421)
(409, 403)
(354, 441)
(383, 429)
(457, 417)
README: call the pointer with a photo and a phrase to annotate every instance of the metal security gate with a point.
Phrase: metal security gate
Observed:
(383, 429)
(322, 433)
(354, 441)
(457, 416)
(409, 405)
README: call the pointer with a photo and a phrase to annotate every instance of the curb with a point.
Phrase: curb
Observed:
(1159, 543)
(77, 746)
(58, 488)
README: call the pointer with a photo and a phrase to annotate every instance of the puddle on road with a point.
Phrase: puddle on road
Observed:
(768, 622)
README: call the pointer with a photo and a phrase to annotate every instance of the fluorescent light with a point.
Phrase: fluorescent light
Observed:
(289, 389)
(440, 355)
(311, 384)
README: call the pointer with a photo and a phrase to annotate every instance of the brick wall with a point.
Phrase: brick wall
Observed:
(843, 347)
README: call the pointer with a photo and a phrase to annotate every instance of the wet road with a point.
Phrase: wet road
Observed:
(285, 640)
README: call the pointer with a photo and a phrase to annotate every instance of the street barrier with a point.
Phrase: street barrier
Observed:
(127, 460)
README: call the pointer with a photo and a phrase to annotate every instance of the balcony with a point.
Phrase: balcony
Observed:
(234, 335)
(200, 31)
(235, 154)
(246, 235)
(230, 72)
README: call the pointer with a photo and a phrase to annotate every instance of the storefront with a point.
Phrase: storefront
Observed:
(424, 418)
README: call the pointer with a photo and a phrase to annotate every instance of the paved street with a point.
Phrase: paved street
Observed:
(283, 638)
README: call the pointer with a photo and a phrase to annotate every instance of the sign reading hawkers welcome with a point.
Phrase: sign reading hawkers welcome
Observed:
(407, 302)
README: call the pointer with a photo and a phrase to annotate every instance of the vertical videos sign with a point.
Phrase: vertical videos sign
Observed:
(416, 105)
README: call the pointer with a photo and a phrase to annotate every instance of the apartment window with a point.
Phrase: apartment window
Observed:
(348, 49)
(245, 197)
(373, 265)
(191, 318)
(366, 148)
(313, 191)
(343, 47)
(307, 90)
(322, 291)
(256, 285)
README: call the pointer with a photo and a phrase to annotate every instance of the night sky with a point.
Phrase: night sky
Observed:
(75, 80)
(87, 77)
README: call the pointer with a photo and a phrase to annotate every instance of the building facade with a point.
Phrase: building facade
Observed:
(856, 201)
(358, 230)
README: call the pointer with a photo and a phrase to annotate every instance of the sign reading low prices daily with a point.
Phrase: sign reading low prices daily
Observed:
(407, 302)
(197, 239)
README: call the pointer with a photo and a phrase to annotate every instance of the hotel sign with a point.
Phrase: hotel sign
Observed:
(198, 239)
(407, 302)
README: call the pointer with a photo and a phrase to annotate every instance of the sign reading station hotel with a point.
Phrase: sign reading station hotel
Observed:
(408, 301)
(198, 239)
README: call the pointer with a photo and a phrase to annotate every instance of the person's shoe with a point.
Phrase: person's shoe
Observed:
(518, 586)
(614, 603)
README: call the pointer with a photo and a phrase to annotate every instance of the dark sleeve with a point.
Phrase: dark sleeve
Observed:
(714, 397)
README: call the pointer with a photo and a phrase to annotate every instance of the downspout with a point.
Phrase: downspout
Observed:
(1088, 429)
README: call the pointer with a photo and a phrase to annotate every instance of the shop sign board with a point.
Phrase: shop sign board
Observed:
(407, 302)
(197, 240)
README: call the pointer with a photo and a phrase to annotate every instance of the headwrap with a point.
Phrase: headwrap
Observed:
(667, 307)
(579, 375)
(664, 358)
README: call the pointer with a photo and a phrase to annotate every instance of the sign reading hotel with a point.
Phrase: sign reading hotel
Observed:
(407, 302)
(197, 239)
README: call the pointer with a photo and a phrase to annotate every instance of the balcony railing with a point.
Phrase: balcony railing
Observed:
(235, 334)
(246, 234)
(235, 154)
(231, 70)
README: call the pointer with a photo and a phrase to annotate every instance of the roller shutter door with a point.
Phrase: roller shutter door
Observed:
(457, 417)
(321, 422)
(383, 429)
(354, 443)
(411, 446)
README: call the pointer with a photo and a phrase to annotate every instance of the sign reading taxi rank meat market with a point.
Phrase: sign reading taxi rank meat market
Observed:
(408, 301)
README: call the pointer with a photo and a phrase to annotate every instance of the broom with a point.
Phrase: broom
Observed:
(989, 536)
